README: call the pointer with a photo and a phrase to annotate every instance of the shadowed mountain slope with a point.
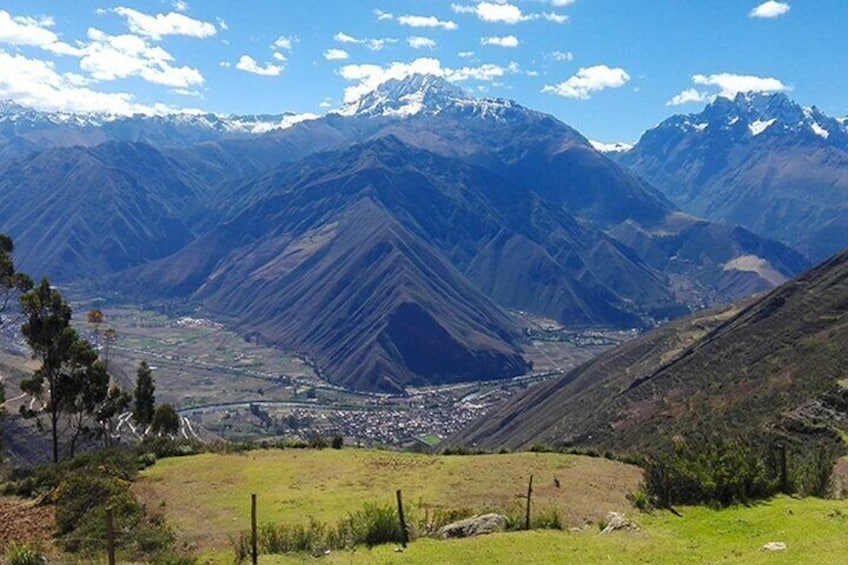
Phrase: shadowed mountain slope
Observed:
(774, 363)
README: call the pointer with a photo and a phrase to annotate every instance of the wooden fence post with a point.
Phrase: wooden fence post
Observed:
(529, 494)
(404, 537)
(784, 475)
(253, 544)
(110, 536)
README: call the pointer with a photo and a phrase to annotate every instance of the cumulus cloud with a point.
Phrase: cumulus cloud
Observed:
(32, 32)
(383, 16)
(159, 25)
(368, 77)
(418, 42)
(561, 3)
(248, 64)
(556, 18)
(36, 83)
(372, 44)
(465, 54)
(770, 9)
(728, 84)
(493, 12)
(336, 54)
(506, 41)
(427, 21)
(180, 5)
(284, 42)
(110, 57)
(689, 96)
(588, 80)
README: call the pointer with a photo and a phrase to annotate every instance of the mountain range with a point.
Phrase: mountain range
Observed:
(760, 161)
(386, 241)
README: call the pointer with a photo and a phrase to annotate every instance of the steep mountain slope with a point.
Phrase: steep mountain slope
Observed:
(759, 161)
(78, 213)
(777, 362)
(457, 206)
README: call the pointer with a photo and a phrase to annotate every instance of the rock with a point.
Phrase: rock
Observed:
(617, 521)
(774, 546)
(475, 526)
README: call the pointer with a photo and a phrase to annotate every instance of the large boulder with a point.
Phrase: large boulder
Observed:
(617, 521)
(474, 526)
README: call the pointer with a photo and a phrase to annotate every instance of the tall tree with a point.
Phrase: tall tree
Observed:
(165, 420)
(145, 400)
(69, 380)
(12, 283)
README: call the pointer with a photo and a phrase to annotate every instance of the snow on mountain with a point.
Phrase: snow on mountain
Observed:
(24, 118)
(754, 114)
(427, 94)
(617, 147)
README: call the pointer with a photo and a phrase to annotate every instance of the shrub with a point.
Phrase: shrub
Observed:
(547, 519)
(24, 554)
(338, 442)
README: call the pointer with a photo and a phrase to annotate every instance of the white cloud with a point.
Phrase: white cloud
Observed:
(556, 18)
(690, 95)
(368, 76)
(250, 65)
(326, 103)
(770, 9)
(561, 3)
(418, 42)
(279, 57)
(180, 5)
(336, 54)
(588, 80)
(284, 42)
(426, 21)
(33, 32)
(506, 41)
(730, 84)
(222, 24)
(36, 83)
(173, 23)
(110, 57)
(372, 44)
(493, 12)
(562, 56)
(465, 54)
(383, 16)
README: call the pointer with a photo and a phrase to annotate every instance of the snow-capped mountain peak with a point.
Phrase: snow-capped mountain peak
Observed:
(427, 94)
(758, 115)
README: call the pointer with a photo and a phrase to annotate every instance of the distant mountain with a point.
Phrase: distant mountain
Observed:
(760, 161)
(23, 128)
(85, 212)
(773, 364)
(385, 240)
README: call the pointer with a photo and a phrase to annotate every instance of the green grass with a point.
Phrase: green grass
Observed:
(813, 530)
(206, 498)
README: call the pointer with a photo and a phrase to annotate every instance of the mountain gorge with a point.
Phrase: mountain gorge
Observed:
(386, 241)
(760, 161)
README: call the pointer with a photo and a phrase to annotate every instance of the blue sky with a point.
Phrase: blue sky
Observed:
(610, 68)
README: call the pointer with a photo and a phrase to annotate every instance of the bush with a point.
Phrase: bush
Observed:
(711, 471)
(24, 554)
(338, 442)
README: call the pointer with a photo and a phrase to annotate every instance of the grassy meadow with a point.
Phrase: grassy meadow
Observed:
(206, 499)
